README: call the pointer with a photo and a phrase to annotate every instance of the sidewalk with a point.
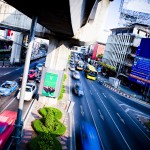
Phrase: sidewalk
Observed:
(124, 91)
(28, 132)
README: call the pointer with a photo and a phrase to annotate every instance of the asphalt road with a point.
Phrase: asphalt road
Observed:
(114, 117)
(11, 102)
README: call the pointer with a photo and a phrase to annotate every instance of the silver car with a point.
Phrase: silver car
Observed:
(76, 75)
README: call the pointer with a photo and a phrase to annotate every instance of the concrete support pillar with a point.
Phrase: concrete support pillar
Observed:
(16, 48)
(94, 31)
(57, 58)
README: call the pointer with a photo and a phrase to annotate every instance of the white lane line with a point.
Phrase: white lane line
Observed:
(91, 92)
(82, 112)
(18, 68)
(138, 127)
(120, 118)
(133, 120)
(8, 104)
(7, 73)
(94, 123)
(101, 114)
(115, 124)
(94, 88)
(104, 95)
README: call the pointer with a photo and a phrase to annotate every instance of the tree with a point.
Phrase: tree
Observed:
(100, 56)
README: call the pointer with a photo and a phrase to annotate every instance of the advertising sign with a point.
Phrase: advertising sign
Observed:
(140, 72)
(50, 83)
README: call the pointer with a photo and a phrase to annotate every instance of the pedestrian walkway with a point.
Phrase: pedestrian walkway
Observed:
(28, 132)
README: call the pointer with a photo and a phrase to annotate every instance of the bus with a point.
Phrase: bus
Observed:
(90, 72)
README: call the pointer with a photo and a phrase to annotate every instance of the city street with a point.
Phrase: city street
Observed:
(114, 117)
(10, 74)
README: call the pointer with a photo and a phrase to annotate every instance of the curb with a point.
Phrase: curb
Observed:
(119, 92)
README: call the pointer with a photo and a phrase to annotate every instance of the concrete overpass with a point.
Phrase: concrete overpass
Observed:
(76, 21)
(63, 18)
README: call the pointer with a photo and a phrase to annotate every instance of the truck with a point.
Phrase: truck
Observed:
(114, 82)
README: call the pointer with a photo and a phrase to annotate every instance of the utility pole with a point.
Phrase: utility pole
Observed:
(19, 121)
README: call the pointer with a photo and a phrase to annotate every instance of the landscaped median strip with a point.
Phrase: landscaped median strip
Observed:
(48, 128)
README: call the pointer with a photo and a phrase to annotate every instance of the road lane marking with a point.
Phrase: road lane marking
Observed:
(95, 123)
(18, 68)
(132, 119)
(91, 92)
(101, 114)
(115, 124)
(8, 104)
(120, 118)
(7, 73)
(104, 95)
(82, 112)
(94, 88)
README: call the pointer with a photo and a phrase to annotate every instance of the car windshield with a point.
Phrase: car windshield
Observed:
(76, 73)
(3, 127)
(39, 65)
(31, 72)
(78, 87)
(91, 73)
(28, 89)
(6, 85)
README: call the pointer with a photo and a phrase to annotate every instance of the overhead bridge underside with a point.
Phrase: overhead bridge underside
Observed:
(62, 17)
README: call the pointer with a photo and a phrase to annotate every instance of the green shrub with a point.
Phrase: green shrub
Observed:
(59, 128)
(43, 111)
(39, 126)
(44, 142)
(47, 128)
(56, 112)
(62, 91)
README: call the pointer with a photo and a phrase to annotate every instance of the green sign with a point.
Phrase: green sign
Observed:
(50, 84)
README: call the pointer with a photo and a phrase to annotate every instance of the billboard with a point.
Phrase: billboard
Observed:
(51, 82)
(144, 48)
(140, 72)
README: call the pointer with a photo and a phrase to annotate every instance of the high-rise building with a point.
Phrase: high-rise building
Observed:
(122, 45)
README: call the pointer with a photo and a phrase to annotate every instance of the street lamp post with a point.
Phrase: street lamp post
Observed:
(19, 122)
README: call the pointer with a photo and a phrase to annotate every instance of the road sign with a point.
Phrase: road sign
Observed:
(50, 83)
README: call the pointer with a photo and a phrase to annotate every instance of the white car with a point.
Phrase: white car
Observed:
(72, 67)
(30, 91)
(76, 75)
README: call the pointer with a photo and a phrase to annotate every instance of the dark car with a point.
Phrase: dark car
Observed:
(78, 89)
(38, 78)
(99, 79)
